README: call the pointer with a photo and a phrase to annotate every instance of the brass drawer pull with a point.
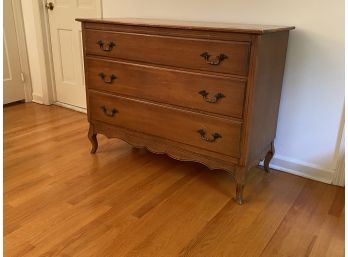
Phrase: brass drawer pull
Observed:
(216, 61)
(215, 136)
(106, 46)
(214, 99)
(107, 113)
(107, 79)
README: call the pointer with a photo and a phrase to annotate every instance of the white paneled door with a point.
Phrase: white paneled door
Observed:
(13, 82)
(66, 40)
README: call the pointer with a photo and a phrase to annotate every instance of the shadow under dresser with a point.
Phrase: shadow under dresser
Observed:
(204, 92)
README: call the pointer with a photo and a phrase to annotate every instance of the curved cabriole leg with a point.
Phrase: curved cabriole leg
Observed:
(268, 158)
(92, 136)
(240, 177)
(239, 193)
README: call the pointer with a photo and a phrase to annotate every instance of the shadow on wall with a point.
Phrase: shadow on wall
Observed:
(310, 116)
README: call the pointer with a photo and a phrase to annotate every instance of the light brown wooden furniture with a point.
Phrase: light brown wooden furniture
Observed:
(203, 92)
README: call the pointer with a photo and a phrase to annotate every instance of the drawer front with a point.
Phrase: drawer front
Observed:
(199, 130)
(207, 55)
(209, 93)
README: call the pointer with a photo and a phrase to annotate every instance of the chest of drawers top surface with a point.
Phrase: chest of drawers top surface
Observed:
(192, 25)
(205, 92)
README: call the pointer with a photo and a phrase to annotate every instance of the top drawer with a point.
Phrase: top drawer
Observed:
(206, 55)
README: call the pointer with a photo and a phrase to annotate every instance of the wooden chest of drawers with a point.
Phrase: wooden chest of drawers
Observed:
(202, 92)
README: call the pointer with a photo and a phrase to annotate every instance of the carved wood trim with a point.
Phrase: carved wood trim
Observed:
(163, 146)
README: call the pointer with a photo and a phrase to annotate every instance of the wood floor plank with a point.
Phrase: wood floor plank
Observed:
(245, 231)
(110, 219)
(330, 239)
(60, 200)
(48, 233)
(336, 208)
(177, 220)
(148, 206)
(298, 233)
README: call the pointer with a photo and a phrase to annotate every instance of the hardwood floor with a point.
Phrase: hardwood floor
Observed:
(60, 200)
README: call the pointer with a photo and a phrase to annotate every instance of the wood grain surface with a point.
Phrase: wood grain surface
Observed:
(177, 87)
(172, 59)
(192, 25)
(166, 122)
(59, 200)
(170, 51)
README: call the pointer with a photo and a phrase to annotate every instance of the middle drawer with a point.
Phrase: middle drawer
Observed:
(210, 93)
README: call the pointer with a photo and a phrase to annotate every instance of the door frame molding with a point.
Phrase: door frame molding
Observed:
(22, 48)
(51, 84)
(50, 96)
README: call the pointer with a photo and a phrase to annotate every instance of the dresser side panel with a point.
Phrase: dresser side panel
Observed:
(266, 92)
(83, 32)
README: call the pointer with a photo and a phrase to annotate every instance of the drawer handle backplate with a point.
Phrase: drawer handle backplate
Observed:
(106, 46)
(214, 137)
(107, 113)
(216, 61)
(214, 99)
(107, 79)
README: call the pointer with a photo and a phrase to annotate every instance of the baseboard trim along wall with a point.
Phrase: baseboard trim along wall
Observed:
(75, 108)
(37, 99)
(302, 169)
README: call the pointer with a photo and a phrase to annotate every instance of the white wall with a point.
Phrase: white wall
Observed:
(312, 103)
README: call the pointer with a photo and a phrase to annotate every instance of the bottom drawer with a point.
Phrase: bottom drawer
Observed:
(200, 130)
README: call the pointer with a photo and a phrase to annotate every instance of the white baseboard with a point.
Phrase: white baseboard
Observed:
(72, 107)
(302, 169)
(37, 99)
